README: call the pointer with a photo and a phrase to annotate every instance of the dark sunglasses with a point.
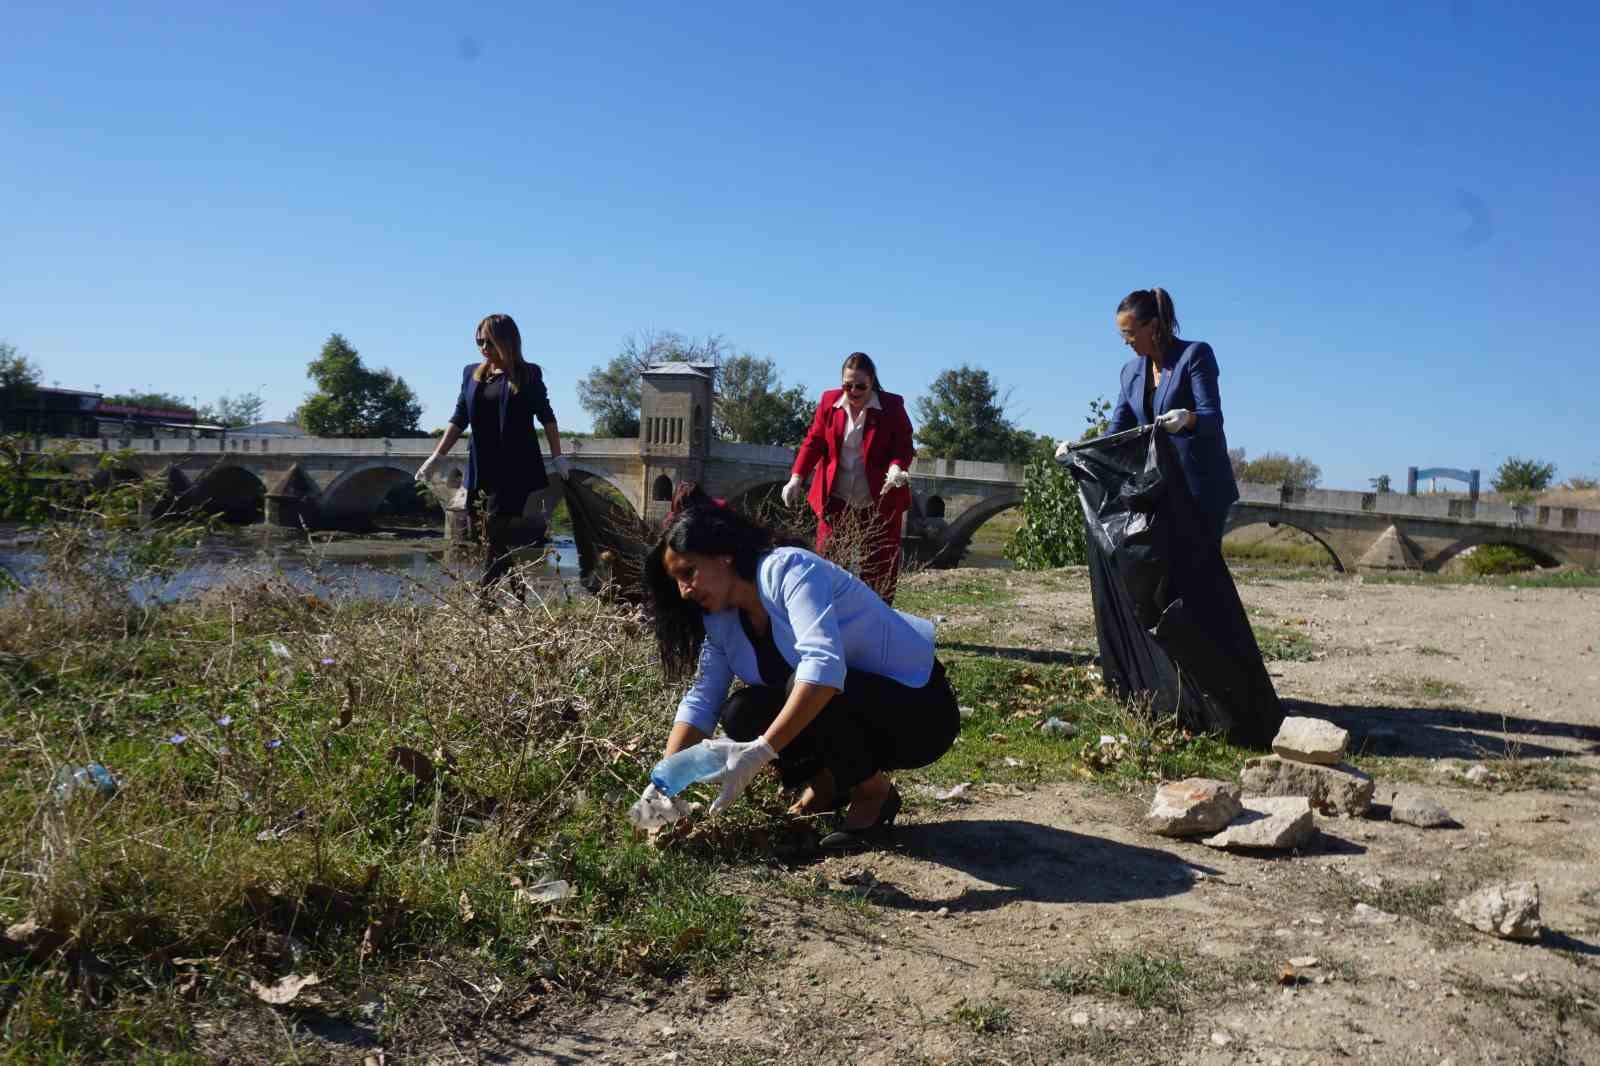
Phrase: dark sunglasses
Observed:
(855, 386)
(484, 342)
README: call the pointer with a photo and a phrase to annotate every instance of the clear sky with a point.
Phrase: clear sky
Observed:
(1384, 217)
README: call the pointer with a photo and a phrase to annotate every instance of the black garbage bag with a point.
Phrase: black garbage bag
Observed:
(611, 541)
(1172, 629)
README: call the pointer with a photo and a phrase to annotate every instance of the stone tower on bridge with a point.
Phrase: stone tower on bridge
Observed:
(674, 430)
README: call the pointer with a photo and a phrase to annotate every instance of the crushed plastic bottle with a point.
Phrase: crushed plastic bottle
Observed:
(1059, 727)
(655, 811)
(91, 778)
(681, 769)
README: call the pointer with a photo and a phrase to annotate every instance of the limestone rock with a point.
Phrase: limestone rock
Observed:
(1509, 910)
(1192, 807)
(1277, 822)
(1311, 740)
(1340, 789)
(1413, 808)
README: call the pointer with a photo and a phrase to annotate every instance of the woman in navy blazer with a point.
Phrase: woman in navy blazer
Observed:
(841, 686)
(500, 397)
(1173, 383)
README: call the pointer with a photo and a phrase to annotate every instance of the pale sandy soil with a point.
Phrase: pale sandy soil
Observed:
(909, 954)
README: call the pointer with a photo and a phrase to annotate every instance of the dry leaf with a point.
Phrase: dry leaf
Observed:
(285, 990)
(464, 906)
(369, 942)
(413, 762)
(1287, 975)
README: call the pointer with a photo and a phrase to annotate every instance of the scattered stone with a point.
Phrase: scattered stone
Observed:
(1221, 1039)
(1413, 808)
(1509, 911)
(1304, 962)
(1080, 1018)
(1313, 740)
(1339, 789)
(1276, 822)
(1368, 915)
(1478, 774)
(1192, 807)
(965, 712)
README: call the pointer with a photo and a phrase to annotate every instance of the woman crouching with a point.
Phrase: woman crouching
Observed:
(841, 686)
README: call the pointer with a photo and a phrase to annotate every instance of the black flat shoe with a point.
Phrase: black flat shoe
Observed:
(849, 838)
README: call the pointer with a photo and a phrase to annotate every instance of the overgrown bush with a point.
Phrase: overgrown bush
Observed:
(1499, 559)
(1518, 476)
(1052, 532)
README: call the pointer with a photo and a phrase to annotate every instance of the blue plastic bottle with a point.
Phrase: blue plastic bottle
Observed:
(678, 771)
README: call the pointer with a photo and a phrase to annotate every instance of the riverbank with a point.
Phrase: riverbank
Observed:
(421, 805)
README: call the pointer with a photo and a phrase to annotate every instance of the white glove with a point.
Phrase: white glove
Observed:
(895, 479)
(793, 491)
(561, 466)
(1175, 420)
(745, 760)
(1064, 452)
(425, 471)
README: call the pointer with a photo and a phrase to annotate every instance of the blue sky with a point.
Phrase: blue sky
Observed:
(1383, 217)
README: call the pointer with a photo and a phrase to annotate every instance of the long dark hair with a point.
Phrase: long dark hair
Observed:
(701, 525)
(1145, 304)
(863, 362)
(502, 332)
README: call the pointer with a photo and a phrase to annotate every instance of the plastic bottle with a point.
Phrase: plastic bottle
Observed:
(94, 777)
(678, 771)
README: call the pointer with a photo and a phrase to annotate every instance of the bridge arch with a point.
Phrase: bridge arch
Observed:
(235, 492)
(1488, 539)
(621, 489)
(748, 496)
(952, 543)
(1239, 521)
(355, 494)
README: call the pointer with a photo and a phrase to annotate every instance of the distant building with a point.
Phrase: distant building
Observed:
(44, 412)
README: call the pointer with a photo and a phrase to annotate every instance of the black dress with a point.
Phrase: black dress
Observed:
(503, 460)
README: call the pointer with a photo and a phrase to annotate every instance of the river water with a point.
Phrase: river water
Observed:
(401, 562)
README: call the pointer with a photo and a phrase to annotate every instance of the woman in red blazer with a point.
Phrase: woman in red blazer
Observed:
(860, 445)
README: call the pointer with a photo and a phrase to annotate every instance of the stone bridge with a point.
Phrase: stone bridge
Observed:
(333, 482)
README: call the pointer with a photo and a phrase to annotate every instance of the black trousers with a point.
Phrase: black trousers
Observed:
(875, 723)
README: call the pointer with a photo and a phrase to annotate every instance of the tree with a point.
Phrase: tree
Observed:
(234, 411)
(610, 393)
(19, 376)
(753, 406)
(1518, 475)
(352, 401)
(1381, 483)
(149, 399)
(963, 417)
(1275, 468)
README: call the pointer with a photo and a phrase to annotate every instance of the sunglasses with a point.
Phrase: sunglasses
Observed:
(484, 342)
(855, 386)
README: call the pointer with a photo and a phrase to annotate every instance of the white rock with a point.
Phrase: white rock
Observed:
(1314, 740)
(1340, 789)
(1478, 774)
(1193, 806)
(1364, 914)
(1277, 822)
(1509, 911)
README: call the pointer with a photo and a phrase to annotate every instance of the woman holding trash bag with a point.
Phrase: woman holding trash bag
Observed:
(860, 445)
(1173, 383)
(841, 686)
(500, 396)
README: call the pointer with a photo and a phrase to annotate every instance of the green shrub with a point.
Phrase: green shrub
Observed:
(1499, 559)
(1051, 533)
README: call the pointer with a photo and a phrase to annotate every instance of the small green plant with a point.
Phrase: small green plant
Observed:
(1279, 644)
(985, 1017)
(1147, 980)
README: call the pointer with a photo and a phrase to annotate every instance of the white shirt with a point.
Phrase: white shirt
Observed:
(851, 483)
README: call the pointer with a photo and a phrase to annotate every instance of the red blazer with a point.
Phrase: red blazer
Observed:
(886, 439)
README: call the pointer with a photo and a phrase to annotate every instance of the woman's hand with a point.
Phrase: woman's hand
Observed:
(1176, 420)
(1064, 452)
(793, 490)
(561, 466)
(425, 471)
(744, 762)
(895, 479)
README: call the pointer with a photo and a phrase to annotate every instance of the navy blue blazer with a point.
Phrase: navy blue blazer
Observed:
(1191, 383)
(517, 469)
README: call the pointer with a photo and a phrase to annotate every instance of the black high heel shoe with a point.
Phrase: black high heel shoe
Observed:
(877, 831)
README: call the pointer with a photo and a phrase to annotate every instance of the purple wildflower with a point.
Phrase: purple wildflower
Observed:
(177, 738)
(274, 745)
(327, 662)
(225, 721)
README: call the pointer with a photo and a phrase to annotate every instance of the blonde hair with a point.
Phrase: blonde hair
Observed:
(507, 340)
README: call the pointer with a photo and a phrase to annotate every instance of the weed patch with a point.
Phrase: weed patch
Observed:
(1146, 980)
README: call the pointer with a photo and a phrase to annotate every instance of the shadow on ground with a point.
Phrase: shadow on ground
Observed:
(1027, 861)
(1032, 655)
(1449, 732)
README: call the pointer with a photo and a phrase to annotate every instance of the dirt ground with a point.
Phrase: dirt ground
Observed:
(1048, 926)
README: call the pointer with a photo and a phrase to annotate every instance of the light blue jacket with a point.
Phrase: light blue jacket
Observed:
(824, 620)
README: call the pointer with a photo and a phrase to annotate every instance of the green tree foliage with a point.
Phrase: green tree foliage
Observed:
(352, 401)
(610, 393)
(234, 411)
(1052, 532)
(1518, 475)
(963, 417)
(149, 399)
(1381, 483)
(1275, 468)
(19, 376)
(753, 406)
